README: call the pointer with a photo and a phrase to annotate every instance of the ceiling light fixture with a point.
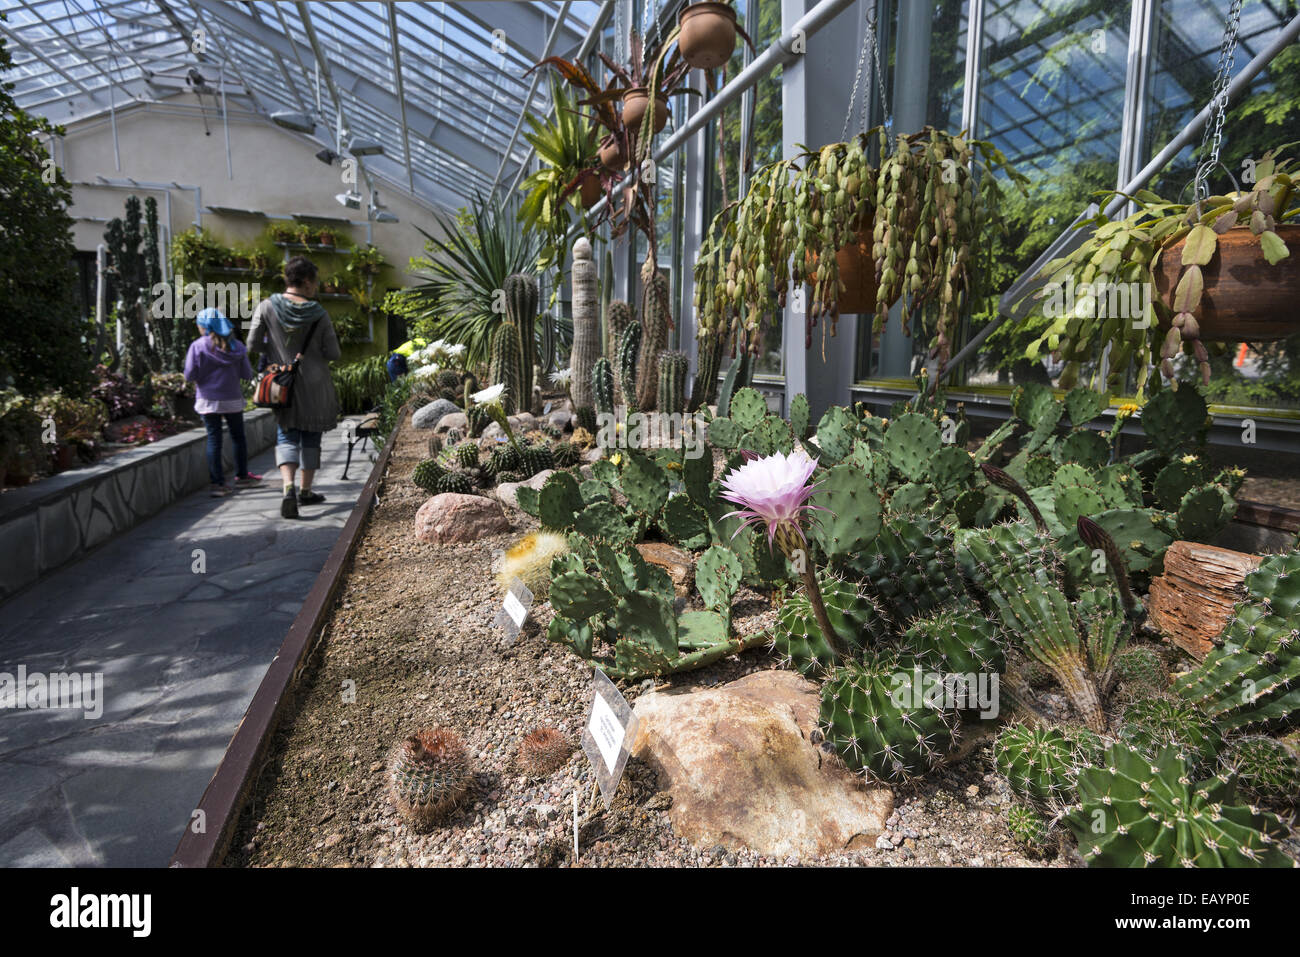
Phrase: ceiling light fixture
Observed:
(359, 146)
(298, 122)
(350, 200)
(327, 156)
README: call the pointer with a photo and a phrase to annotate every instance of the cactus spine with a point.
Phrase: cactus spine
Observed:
(507, 366)
(656, 318)
(602, 387)
(673, 367)
(522, 293)
(586, 323)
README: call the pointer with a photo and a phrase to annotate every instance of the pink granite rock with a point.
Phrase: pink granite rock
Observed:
(451, 517)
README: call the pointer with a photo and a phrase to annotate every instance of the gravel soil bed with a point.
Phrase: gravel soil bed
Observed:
(413, 629)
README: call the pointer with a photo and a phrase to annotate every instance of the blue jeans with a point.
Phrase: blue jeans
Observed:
(296, 447)
(235, 421)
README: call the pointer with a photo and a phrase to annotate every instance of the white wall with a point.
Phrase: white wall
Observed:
(275, 171)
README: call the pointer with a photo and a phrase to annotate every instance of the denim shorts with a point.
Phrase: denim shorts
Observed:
(296, 447)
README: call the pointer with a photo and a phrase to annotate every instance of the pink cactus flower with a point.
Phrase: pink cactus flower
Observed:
(774, 492)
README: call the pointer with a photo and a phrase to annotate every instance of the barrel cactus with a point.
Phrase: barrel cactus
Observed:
(1154, 724)
(544, 751)
(887, 735)
(1041, 765)
(429, 775)
(566, 455)
(467, 455)
(797, 637)
(427, 475)
(1265, 769)
(1137, 811)
(456, 482)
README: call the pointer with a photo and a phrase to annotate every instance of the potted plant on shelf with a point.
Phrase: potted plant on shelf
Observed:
(1171, 276)
(194, 250)
(284, 233)
(305, 235)
(862, 238)
(325, 237)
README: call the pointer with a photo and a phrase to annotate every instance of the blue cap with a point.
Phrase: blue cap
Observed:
(211, 320)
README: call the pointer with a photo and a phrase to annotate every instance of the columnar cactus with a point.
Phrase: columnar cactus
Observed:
(618, 316)
(673, 367)
(705, 388)
(586, 323)
(602, 387)
(656, 319)
(429, 775)
(507, 368)
(629, 345)
(888, 735)
(1142, 812)
(522, 293)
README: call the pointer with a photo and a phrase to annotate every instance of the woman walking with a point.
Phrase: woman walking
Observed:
(216, 363)
(289, 326)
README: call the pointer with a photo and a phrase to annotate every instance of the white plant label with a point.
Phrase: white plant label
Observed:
(610, 730)
(514, 608)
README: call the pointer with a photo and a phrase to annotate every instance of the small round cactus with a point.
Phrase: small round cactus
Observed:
(455, 482)
(544, 751)
(427, 475)
(467, 455)
(1266, 769)
(1153, 724)
(566, 455)
(1029, 828)
(429, 775)
(1142, 666)
(536, 458)
(1041, 765)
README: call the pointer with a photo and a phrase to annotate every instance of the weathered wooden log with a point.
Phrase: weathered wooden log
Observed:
(1192, 601)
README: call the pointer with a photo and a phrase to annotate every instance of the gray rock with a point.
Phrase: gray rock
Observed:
(508, 492)
(561, 419)
(453, 421)
(428, 417)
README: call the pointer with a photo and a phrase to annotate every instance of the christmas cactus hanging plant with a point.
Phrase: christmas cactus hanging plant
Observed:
(1170, 277)
(862, 237)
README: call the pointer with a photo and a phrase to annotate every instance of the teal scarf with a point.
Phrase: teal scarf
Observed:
(296, 315)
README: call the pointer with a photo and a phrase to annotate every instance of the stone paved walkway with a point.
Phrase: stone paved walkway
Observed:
(181, 654)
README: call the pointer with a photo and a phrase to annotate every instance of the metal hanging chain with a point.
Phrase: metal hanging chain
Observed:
(870, 45)
(1213, 135)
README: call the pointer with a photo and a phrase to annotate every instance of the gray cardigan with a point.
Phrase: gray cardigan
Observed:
(315, 405)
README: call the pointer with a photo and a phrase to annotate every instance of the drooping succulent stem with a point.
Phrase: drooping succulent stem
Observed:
(1005, 482)
(1094, 536)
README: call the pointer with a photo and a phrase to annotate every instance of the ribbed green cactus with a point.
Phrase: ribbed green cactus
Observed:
(909, 566)
(534, 459)
(705, 387)
(466, 454)
(1153, 724)
(566, 455)
(629, 345)
(673, 367)
(450, 379)
(586, 323)
(857, 621)
(506, 366)
(957, 641)
(455, 482)
(1142, 812)
(504, 458)
(1041, 765)
(618, 316)
(1029, 828)
(429, 775)
(522, 293)
(1265, 769)
(427, 474)
(656, 319)
(877, 725)
(1142, 666)
(602, 387)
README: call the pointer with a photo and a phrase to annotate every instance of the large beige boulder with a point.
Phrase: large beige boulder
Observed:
(743, 771)
(452, 517)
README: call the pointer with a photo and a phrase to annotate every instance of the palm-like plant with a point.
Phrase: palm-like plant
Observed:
(464, 271)
(567, 146)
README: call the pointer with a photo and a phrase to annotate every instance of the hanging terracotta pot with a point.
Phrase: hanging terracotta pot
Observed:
(708, 34)
(635, 102)
(611, 153)
(857, 273)
(589, 193)
(1245, 298)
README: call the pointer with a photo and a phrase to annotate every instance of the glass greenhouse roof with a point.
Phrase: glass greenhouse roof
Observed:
(440, 86)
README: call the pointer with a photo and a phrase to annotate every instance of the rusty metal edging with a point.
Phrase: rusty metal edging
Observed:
(224, 797)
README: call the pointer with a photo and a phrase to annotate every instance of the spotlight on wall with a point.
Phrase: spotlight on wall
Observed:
(327, 156)
(384, 216)
(298, 122)
(358, 146)
(350, 200)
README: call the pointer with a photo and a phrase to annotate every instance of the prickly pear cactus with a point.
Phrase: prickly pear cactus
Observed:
(1137, 811)
(885, 732)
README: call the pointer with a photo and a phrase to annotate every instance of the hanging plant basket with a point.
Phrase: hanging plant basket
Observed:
(857, 271)
(1245, 299)
(589, 193)
(635, 102)
(708, 34)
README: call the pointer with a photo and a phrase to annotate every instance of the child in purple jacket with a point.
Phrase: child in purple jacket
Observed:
(215, 364)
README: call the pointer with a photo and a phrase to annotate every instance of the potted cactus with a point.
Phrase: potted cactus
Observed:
(1172, 276)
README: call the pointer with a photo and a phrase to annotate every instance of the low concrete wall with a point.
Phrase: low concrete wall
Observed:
(55, 521)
